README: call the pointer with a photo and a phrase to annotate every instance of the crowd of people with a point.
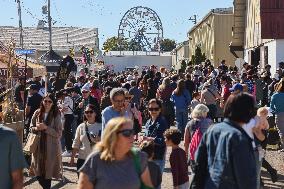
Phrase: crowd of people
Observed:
(117, 126)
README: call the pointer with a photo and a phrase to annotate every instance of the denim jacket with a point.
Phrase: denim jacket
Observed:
(156, 130)
(228, 153)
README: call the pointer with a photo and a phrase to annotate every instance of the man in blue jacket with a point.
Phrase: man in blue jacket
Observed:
(225, 157)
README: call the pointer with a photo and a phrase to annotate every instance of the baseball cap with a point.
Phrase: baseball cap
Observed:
(237, 86)
(85, 88)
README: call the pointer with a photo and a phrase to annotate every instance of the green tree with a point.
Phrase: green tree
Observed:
(183, 65)
(198, 57)
(115, 44)
(167, 45)
(134, 46)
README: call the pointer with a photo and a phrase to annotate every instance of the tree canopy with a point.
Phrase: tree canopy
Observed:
(113, 44)
(198, 57)
(168, 45)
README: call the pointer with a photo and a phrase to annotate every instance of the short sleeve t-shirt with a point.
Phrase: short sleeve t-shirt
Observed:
(34, 102)
(11, 158)
(117, 174)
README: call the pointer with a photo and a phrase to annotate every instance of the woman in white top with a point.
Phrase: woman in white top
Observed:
(87, 135)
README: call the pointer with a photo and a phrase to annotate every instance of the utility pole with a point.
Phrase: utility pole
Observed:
(193, 19)
(20, 24)
(49, 25)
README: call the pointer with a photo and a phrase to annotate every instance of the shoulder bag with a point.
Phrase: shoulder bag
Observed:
(88, 135)
(32, 143)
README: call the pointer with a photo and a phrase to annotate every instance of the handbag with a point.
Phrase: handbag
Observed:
(138, 167)
(32, 143)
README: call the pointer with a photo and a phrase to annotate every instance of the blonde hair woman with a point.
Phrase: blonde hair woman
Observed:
(199, 120)
(112, 165)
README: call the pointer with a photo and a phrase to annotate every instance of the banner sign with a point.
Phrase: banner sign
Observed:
(63, 72)
(24, 51)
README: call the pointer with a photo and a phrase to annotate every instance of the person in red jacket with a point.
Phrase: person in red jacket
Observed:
(225, 89)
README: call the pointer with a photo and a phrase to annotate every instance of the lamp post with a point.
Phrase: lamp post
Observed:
(193, 19)
(49, 25)
(20, 24)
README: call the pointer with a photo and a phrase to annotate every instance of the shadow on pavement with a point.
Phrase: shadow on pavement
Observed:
(30, 181)
(268, 184)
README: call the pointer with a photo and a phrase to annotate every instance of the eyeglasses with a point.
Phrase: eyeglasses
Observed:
(153, 109)
(89, 112)
(48, 101)
(126, 132)
(85, 91)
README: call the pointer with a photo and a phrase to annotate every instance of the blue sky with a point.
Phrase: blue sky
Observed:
(106, 14)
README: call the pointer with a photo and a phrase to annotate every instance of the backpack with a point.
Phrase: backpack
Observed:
(195, 141)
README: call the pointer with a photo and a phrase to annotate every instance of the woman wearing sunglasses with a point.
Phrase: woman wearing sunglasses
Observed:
(46, 161)
(154, 131)
(87, 135)
(112, 165)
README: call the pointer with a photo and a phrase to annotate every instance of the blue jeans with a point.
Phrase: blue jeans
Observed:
(161, 163)
(181, 119)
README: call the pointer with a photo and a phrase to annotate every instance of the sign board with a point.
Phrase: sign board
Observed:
(272, 22)
(19, 72)
(25, 51)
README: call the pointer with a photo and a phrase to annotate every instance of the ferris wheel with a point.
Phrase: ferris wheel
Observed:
(142, 27)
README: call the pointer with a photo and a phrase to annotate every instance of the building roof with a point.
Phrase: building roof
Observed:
(63, 38)
(222, 11)
(179, 46)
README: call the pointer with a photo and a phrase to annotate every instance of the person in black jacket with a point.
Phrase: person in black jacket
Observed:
(154, 131)
(83, 102)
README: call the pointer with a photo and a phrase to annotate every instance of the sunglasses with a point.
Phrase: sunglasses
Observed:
(126, 132)
(128, 98)
(48, 101)
(153, 109)
(85, 91)
(89, 112)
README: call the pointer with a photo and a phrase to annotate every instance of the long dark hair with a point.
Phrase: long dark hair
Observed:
(92, 107)
(180, 87)
(54, 111)
(240, 107)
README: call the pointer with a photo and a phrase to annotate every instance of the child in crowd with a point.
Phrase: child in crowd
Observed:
(154, 169)
(262, 113)
(195, 101)
(178, 160)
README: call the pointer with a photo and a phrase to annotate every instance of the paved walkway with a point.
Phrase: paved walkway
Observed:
(275, 158)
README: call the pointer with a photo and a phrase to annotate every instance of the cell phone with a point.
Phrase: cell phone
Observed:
(132, 105)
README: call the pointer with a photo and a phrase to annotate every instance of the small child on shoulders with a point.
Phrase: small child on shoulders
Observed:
(195, 100)
(262, 114)
(154, 169)
(178, 159)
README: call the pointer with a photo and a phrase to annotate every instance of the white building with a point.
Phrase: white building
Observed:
(119, 61)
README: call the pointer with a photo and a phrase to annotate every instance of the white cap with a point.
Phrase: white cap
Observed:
(86, 87)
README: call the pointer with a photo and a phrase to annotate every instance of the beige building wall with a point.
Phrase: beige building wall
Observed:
(203, 36)
(213, 34)
(223, 38)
